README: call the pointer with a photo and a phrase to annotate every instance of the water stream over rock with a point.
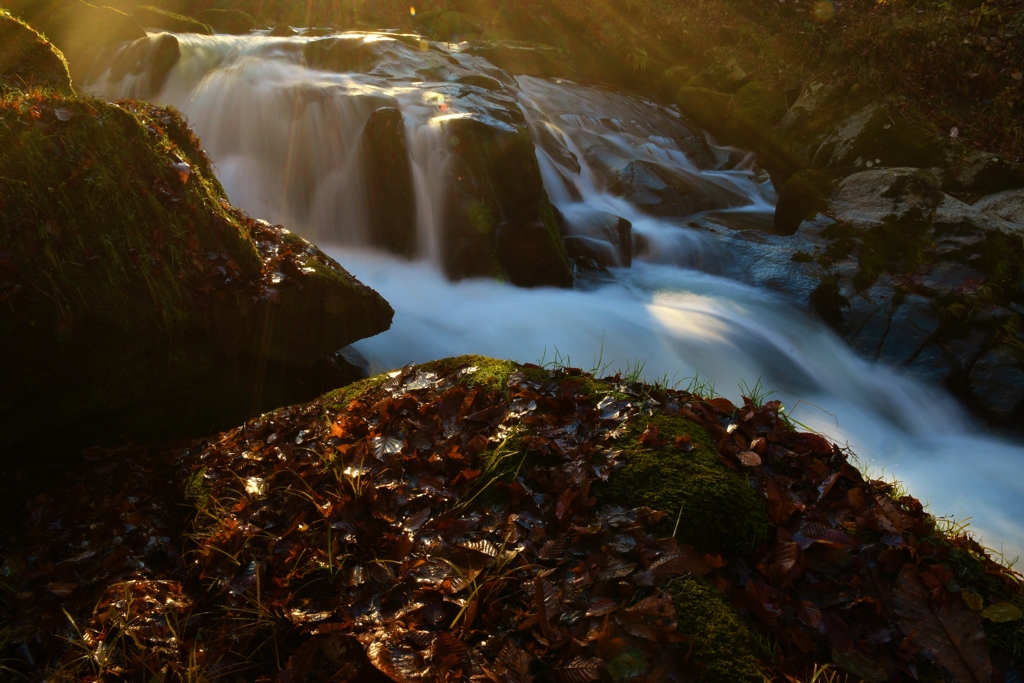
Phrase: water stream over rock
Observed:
(285, 120)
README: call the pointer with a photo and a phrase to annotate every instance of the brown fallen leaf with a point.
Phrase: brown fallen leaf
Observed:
(749, 458)
(951, 635)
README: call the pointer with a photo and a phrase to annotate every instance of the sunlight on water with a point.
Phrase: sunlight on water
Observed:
(285, 141)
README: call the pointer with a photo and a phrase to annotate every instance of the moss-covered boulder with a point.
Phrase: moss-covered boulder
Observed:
(759, 104)
(498, 221)
(132, 289)
(83, 31)
(805, 194)
(28, 61)
(453, 26)
(391, 199)
(156, 18)
(230, 21)
(874, 136)
(529, 59)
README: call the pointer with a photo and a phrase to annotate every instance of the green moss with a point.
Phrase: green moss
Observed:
(28, 61)
(154, 17)
(721, 641)
(721, 512)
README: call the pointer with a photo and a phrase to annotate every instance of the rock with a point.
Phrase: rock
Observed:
(714, 112)
(672, 79)
(868, 199)
(980, 173)
(946, 277)
(593, 253)
(816, 113)
(1007, 205)
(911, 326)
(318, 32)
(498, 220)
(603, 237)
(759, 105)
(391, 200)
(998, 382)
(728, 76)
(155, 296)
(82, 32)
(875, 137)
(933, 364)
(662, 190)
(282, 31)
(526, 59)
(341, 54)
(28, 60)
(453, 27)
(230, 21)
(162, 20)
(152, 57)
(805, 194)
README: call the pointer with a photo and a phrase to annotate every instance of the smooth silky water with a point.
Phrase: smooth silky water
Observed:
(285, 141)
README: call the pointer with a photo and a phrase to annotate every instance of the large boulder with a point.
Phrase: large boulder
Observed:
(28, 60)
(1007, 206)
(162, 20)
(498, 221)
(874, 136)
(83, 32)
(230, 21)
(662, 190)
(981, 173)
(390, 196)
(131, 289)
(341, 54)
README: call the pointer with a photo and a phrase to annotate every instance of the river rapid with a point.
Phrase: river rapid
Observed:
(285, 141)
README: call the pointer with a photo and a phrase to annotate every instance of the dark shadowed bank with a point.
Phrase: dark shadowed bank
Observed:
(475, 519)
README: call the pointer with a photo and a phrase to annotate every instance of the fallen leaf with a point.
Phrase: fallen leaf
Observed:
(950, 635)
(1002, 611)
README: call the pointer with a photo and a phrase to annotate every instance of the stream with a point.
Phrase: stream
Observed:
(285, 141)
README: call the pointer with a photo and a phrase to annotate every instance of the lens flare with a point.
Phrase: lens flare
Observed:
(412, 11)
(823, 11)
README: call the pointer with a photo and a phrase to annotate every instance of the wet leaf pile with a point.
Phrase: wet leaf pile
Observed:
(455, 522)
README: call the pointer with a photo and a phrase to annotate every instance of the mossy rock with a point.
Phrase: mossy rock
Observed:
(131, 289)
(804, 195)
(28, 61)
(718, 510)
(390, 195)
(874, 136)
(499, 222)
(672, 79)
(154, 17)
(150, 60)
(758, 104)
(529, 59)
(721, 641)
(230, 21)
(83, 32)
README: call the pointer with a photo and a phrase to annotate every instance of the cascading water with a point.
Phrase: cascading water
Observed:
(286, 140)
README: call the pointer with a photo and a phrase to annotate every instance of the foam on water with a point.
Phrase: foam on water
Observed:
(285, 139)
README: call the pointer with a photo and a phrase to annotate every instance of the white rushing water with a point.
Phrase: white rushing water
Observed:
(285, 139)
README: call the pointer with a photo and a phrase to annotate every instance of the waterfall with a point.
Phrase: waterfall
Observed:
(286, 141)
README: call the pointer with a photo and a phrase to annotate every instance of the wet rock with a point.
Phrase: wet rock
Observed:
(911, 326)
(230, 21)
(151, 57)
(874, 136)
(498, 220)
(998, 382)
(815, 114)
(601, 237)
(162, 20)
(933, 364)
(946, 277)
(662, 190)
(453, 27)
(1008, 206)
(966, 349)
(390, 196)
(28, 60)
(980, 173)
(341, 54)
